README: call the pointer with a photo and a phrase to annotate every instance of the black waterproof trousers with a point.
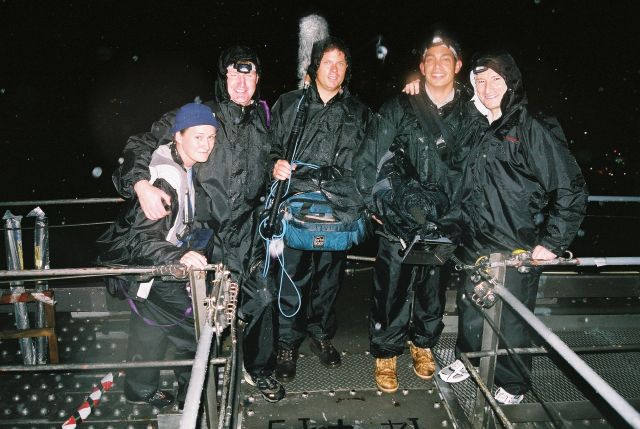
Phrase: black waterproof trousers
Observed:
(257, 301)
(309, 307)
(260, 333)
(164, 317)
(408, 303)
(470, 328)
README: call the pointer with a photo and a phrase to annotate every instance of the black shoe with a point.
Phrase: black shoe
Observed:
(328, 354)
(286, 364)
(160, 399)
(271, 389)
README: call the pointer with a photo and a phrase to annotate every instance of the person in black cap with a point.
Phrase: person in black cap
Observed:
(334, 130)
(414, 155)
(229, 188)
(522, 190)
(165, 313)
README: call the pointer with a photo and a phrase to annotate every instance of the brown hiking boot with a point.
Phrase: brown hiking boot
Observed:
(386, 375)
(423, 363)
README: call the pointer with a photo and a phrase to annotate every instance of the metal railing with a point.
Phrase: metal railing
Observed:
(205, 331)
(213, 312)
(493, 274)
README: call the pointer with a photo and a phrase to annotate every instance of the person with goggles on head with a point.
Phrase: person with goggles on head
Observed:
(229, 188)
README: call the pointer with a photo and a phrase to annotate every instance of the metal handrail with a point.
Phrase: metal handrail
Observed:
(591, 198)
(61, 202)
(485, 297)
(106, 365)
(198, 372)
(612, 397)
(179, 271)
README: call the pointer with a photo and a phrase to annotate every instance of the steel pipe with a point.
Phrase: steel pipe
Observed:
(198, 372)
(613, 398)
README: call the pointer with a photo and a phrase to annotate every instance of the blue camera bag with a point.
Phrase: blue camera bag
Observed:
(311, 225)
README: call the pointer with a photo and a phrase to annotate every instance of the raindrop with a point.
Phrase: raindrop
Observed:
(120, 160)
(538, 218)
(96, 172)
(135, 58)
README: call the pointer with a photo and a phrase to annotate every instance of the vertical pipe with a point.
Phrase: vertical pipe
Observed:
(482, 414)
(41, 262)
(13, 245)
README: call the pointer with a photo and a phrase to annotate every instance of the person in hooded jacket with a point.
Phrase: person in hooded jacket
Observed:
(164, 315)
(414, 157)
(334, 129)
(522, 189)
(229, 188)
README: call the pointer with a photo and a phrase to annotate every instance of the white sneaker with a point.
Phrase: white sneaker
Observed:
(454, 373)
(506, 398)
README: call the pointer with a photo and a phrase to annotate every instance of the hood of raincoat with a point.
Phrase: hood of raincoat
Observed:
(503, 64)
(230, 56)
(328, 44)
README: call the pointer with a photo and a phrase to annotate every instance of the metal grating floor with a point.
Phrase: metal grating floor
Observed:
(619, 369)
(318, 398)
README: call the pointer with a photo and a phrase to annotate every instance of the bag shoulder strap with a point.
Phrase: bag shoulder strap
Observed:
(430, 120)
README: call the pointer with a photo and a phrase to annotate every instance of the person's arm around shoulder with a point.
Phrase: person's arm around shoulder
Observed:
(154, 202)
(132, 177)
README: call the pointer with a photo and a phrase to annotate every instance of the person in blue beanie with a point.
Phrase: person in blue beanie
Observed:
(161, 312)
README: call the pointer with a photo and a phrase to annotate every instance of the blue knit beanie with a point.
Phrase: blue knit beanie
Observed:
(194, 114)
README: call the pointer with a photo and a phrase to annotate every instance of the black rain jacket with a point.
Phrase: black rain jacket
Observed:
(230, 185)
(522, 186)
(134, 239)
(332, 135)
(408, 173)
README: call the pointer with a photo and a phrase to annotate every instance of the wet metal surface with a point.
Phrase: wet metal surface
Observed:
(319, 397)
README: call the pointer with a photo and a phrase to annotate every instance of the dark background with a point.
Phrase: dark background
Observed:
(77, 78)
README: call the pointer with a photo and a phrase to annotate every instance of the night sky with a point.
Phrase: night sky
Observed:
(77, 78)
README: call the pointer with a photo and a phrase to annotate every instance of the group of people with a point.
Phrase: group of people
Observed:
(475, 165)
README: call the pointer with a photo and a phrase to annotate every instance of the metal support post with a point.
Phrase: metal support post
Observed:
(41, 262)
(13, 246)
(198, 284)
(482, 416)
(198, 281)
